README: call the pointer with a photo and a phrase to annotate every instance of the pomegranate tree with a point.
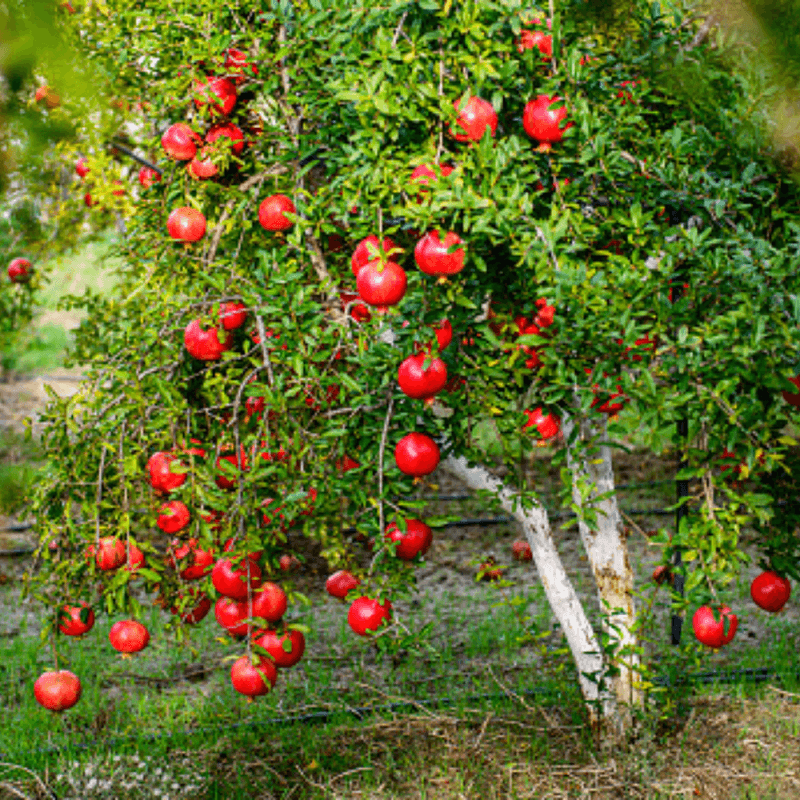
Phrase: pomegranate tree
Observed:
(351, 240)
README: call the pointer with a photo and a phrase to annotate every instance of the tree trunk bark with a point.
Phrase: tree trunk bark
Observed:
(606, 548)
(563, 599)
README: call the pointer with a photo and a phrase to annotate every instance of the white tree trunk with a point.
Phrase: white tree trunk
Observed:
(557, 586)
(606, 548)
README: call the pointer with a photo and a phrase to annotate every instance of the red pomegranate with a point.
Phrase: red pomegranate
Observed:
(223, 480)
(341, 583)
(770, 591)
(709, 630)
(57, 691)
(420, 376)
(233, 615)
(253, 680)
(435, 256)
(369, 250)
(238, 66)
(474, 117)
(537, 39)
(229, 131)
(233, 581)
(232, 315)
(793, 398)
(173, 516)
(196, 613)
(425, 174)
(219, 92)
(367, 614)
(203, 343)
(111, 553)
(416, 540)
(198, 562)
(272, 212)
(164, 474)
(128, 636)
(147, 177)
(547, 425)
(521, 550)
(381, 284)
(180, 141)
(19, 270)
(286, 649)
(186, 224)
(75, 620)
(542, 121)
(416, 454)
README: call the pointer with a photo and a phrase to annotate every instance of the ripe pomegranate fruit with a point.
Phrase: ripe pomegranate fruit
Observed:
(251, 679)
(420, 376)
(414, 541)
(180, 142)
(416, 454)
(163, 475)
(198, 562)
(111, 553)
(369, 249)
(537, 39)
(173, 516)
(770, 591)
(272, 212)
(233, 581)
(147, 177)
(542, 122)
(219, 92)
(232, 315)
(793, 398)
(474, 117)
(75, 620)
(341, 583)
(381, 284)
(709, 630)
(128, 636)
(366, 615)
(57, 691)
(547, 425)
(435, 256)
(186, 224)
(286, 649)
(19, 270)
(203, 343)
(521, 550)
(194, 614)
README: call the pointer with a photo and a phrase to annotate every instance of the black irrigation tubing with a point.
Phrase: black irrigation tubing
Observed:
(459, 523)
(742, 675)
(143, 161)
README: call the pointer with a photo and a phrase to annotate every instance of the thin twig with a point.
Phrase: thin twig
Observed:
(702, 33)
(398, 29)
(99, 495)
(381, 451)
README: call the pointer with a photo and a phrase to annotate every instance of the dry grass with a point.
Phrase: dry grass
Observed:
(726, 748)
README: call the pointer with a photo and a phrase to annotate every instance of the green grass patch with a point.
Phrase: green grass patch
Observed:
(38, 349)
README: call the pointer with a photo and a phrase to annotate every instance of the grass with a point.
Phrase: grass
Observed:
(20, 466)
(511, 744)
(43, 346)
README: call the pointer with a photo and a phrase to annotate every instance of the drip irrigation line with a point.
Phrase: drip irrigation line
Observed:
(467, 496)
(464, 522)
(742, 675)
(143, 161)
